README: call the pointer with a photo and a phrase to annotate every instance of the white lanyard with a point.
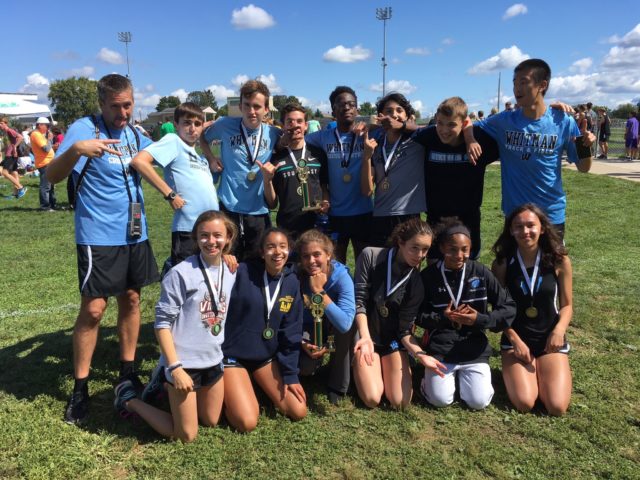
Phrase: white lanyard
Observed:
(271, 300)
(253, 156)
(455, 300)
(387, 160)
(216, 288)
(390, 290)
(293, 157)
(345, 163)
(531, 282)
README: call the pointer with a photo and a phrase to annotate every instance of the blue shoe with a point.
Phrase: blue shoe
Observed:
(125, 391)
(21, 193)
(153, 391)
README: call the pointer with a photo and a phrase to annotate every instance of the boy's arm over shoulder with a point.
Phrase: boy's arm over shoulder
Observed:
(314, 138)
(425, 135)
(490, 151)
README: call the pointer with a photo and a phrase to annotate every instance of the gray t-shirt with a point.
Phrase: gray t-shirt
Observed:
(403, 191)
(185, 308)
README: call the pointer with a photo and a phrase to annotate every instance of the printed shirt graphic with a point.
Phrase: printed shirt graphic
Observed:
(236, 192)
(189, 175)
(102, 203)
(531, 158)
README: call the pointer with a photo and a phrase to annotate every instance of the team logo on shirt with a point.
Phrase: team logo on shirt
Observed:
(528, 143)
(208, 317)
(285, 303)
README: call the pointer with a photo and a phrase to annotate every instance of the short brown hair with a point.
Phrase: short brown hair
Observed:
(453, 107)
(188, 109)
(292, 107)
(112, 84)
(251, 87)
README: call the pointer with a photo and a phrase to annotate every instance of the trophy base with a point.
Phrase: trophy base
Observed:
(312, 208)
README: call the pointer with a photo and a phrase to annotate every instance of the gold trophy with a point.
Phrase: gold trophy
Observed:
(317, 312)
(303, 175)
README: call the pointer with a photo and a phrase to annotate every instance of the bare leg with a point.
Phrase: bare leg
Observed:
(128, 323)
(270, 380)
(210, 399)
(85, 333)
(368, 379)
(12, 178)
(240, 403)
(554, 380)
(520, 381)
(396, 375)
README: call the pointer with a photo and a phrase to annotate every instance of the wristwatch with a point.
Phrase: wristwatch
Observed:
(171, 196)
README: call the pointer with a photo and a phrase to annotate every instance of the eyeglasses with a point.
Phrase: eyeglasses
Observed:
(345, 105)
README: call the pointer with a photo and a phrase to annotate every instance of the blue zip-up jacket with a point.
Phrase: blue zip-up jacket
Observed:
(246, 320)
(339, 287)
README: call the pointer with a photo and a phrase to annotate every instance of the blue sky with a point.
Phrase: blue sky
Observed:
(434, 49)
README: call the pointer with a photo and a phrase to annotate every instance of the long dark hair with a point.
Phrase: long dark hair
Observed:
(553, 251)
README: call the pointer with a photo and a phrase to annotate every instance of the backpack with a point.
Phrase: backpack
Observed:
(72, 186)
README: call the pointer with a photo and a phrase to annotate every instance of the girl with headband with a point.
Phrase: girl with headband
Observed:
(455, 315)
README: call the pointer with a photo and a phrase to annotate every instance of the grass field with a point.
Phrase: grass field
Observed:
(598, 438)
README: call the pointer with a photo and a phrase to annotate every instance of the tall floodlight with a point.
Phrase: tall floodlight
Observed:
(498, 102)
(125, 37)
(384, 14)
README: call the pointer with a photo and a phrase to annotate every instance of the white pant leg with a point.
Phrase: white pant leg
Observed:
(437, 390)
(475, 385)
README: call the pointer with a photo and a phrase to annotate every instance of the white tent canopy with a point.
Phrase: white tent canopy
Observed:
(10, 105)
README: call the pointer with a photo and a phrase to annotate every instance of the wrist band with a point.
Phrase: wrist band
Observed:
(174, 366)
(419, 352)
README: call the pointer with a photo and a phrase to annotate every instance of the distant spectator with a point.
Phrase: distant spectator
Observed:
(480, 115)
(58, 137)
(155, 136)
(167, 127)
(508, 106)
(592, 117)
(141, 129)
(605, 133)
(10, 162)
(42, 146)
(313, 126)
(494, 110)
(631, 137)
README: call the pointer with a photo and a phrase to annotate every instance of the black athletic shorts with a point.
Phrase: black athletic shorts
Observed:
(384, 350)
(250, 229)
(351, 227)
(249, 365)
(111, 271)
(202, 377)
(182, 246)
(10, 164)
(604, 137)
(536, 347)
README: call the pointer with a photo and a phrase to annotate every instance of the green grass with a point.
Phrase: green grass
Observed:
(598, 438)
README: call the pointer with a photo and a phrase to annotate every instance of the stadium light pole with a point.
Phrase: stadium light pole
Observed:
(384, 14)
(125, 37)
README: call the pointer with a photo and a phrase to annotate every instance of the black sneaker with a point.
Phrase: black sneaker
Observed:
(334, 396)
(135, 381)
(125, 391)
(77, 409)
(153, 390)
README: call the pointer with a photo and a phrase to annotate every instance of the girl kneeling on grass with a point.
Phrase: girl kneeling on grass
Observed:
(327, 290)
(190, 327)
(388, 295)
(455, 316)
(263, 335)
(533, 264)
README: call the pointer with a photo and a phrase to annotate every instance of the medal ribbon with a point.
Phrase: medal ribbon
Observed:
(389, 159)
(270, 300)
(345, 163)
(216, 289)
(253, 155)
(456, 300)
(531, 282)
(390, 289)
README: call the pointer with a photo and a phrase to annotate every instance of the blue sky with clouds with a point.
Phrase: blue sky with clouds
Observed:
(434, 49)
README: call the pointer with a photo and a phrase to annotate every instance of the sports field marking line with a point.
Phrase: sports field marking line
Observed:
(38, 311)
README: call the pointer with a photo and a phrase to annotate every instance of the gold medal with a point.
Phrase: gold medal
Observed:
(216, 329)
(268, 333)
(383, 310)
(251, 176)
(385, 185)
(531, 312)
(346, 178)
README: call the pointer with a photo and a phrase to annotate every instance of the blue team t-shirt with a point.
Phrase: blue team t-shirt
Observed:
(102, 203)
(531, 158)
(346, 197)
(189, 175)
(236, 192)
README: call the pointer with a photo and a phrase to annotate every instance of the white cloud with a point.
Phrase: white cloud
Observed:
(86, 71)
(238, 80)
(314, 105)
(578, 88)
(515, 10)
(146, 102)
(622, 58)
(419, 107)
(251, 17)
(503, 99)
(630, 39)
(507, 58)
(447, 41)
(37, 83)
(181, 93)
(344, 54)
(220, 92)
(149, 87)
(581, 65)
(109, 56)
(401, 86)
(270, 81)
(422, 51)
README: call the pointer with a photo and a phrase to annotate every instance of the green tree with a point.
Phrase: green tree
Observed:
(203, 98)
(318, 113)
(367, 109)
(223, 111)
(73, 98)
(417, 114)
(167, 102)
(623, 110)
(280, 101)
